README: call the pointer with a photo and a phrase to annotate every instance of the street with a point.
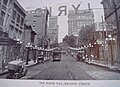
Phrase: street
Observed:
(68, 69)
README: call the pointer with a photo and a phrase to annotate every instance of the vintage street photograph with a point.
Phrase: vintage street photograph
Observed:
(60, 39)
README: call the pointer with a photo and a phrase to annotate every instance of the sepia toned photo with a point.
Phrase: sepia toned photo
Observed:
(60, 40)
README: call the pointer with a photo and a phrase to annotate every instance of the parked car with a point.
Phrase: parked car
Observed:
(40, 59)
(80, 56)
(16, 70)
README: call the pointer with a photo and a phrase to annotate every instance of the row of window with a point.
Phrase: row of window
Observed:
(52, 24)
(82, 17)
(72, 25)
(51, 31)
(16, 17)
(15, 33)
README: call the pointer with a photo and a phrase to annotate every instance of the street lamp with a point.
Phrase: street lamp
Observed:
(110, 40)
(28, 46)
(18, 47)
(90, 46)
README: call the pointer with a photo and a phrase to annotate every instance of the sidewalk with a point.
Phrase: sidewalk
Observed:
(31, 63)
(116, 67)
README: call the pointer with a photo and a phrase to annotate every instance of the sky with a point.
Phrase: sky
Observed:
(62, 20)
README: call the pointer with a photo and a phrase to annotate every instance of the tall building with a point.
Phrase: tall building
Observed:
(52, 31)
(112, 16)
(12, 16)
(78, 19)
(37, 19)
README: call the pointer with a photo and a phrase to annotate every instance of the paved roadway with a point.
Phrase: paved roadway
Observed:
(69, 69)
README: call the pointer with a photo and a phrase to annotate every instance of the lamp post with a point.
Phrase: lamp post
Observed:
(28, 47)
(18, 47)
(110, 40)
(90, 46)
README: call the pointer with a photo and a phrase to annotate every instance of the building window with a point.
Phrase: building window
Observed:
(22, 20)
(18, 18)
(5, 2)
(14, 34)
(14, 15)
(11, 31)
(20, 35)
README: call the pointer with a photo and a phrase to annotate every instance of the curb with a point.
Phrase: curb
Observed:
(37, 63)
(97, 65)
(31, 65)
(106, 67)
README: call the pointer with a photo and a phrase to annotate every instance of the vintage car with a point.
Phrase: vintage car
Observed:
(80, 56)
(16, 70)
(56, 55)
(40, 56)
(40, 59)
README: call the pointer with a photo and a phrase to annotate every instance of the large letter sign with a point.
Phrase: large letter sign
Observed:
(76, 8)
(62, 9)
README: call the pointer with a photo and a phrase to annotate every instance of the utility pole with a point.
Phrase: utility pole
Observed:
(103, 37)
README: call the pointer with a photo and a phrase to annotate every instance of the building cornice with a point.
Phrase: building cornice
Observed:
(15, 2)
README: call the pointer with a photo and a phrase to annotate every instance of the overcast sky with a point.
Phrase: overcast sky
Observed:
(62, 22)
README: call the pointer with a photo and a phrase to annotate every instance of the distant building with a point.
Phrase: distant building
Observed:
(78, 19)
(52, 31)
(37, 19)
